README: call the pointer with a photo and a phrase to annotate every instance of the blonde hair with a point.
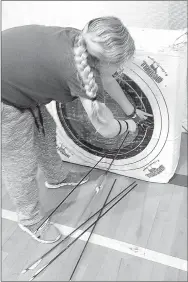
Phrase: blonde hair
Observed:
(107, 40)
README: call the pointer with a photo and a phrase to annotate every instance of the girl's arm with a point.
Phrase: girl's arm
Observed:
(115, 91)
(110, 129)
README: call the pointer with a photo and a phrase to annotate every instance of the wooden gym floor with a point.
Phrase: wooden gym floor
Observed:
(144, 238)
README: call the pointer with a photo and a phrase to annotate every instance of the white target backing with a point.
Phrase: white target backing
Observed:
(153, 81)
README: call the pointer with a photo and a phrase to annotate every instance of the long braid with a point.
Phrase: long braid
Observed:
(84, 70)
(86, 76)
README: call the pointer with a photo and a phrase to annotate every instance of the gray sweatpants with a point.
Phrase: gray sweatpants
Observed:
(23, 149)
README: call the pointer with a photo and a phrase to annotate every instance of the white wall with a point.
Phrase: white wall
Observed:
(143, 14)
(152, 14)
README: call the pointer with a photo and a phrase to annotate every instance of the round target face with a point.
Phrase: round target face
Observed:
(140, 147)
(78, 127)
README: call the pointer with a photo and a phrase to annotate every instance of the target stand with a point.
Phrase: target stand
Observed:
(154, 81)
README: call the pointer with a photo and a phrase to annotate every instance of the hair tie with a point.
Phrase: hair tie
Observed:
(93, 99)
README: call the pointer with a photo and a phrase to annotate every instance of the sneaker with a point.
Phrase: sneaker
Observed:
(46, 234)
(71, 179)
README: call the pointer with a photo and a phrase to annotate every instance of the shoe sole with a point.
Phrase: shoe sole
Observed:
(36, 238)
(49, 186)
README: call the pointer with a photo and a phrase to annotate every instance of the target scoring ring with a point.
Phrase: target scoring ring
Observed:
(152, 103)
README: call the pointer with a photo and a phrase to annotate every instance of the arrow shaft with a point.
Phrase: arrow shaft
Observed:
(69, 245)
(82, 224)
(94, 226)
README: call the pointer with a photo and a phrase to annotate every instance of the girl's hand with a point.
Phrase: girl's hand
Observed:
(132, 125)
(142, 115)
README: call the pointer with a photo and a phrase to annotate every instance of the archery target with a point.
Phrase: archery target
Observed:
(152, 152)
